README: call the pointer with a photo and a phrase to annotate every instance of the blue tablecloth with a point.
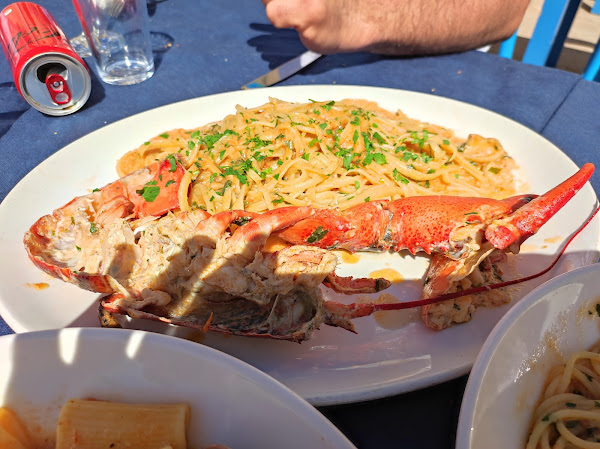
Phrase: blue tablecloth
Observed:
(207, 47)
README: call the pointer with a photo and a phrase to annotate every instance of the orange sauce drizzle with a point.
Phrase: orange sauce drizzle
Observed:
(387, 273)
(555, 239)
(38, 286)
(347, 256)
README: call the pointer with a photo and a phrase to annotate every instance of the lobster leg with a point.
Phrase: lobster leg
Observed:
(447, 275)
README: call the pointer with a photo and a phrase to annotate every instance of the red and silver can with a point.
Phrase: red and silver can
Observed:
(48, 73)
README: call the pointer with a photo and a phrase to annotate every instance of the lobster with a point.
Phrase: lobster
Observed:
(468, 237)
(128, 240)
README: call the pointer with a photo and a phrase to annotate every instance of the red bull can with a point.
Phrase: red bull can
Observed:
(48, 73)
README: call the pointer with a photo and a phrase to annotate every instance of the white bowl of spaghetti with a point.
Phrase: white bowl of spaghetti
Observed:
(537, 377)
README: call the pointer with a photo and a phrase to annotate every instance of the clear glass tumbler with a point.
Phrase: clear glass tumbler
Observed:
(118, 35)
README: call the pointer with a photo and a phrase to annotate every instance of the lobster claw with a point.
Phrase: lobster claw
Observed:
(513, 230)
(502, 235)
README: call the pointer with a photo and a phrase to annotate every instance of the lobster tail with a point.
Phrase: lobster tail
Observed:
(525, 221)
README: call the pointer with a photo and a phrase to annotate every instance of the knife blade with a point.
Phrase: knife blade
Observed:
(284, 71)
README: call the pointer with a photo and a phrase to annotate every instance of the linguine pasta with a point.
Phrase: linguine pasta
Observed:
(568, 415)
(325, 154)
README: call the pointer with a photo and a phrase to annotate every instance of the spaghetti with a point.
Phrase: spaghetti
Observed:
(324, 154)
(568, 415)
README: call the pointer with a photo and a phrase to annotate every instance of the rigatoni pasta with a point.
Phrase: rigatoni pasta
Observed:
(93, 424)
(13, 433)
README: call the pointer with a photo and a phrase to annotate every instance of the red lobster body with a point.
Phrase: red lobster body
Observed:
(200, 271)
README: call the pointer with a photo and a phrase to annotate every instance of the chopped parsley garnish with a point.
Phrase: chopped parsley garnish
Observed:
(347, 157)
(379, 158)
(378, 138)
(398, 177)
(278, 200)
(317, 234)
(164, 135)
(211, 139)
(409, 155)
(328, 106)
(169, 182)
(494, 170)
(420, 141)
(149, 192)
(93, 227)
(239, 170)
(173, 163)
(221, 191)
(242, 221)
(258, 143)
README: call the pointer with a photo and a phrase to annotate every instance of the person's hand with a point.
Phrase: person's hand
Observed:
(327, 26)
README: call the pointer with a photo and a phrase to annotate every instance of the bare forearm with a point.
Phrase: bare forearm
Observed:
(430, 26)
(400, 27)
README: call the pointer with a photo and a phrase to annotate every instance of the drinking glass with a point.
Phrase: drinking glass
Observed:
(118, 36)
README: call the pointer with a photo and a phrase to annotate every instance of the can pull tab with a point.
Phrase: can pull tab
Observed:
(58, 89)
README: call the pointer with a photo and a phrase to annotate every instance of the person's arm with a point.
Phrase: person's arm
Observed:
(401, 27)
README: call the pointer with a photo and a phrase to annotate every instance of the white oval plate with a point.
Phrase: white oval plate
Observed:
(335, 366)
(232, 403)
(541, 331)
